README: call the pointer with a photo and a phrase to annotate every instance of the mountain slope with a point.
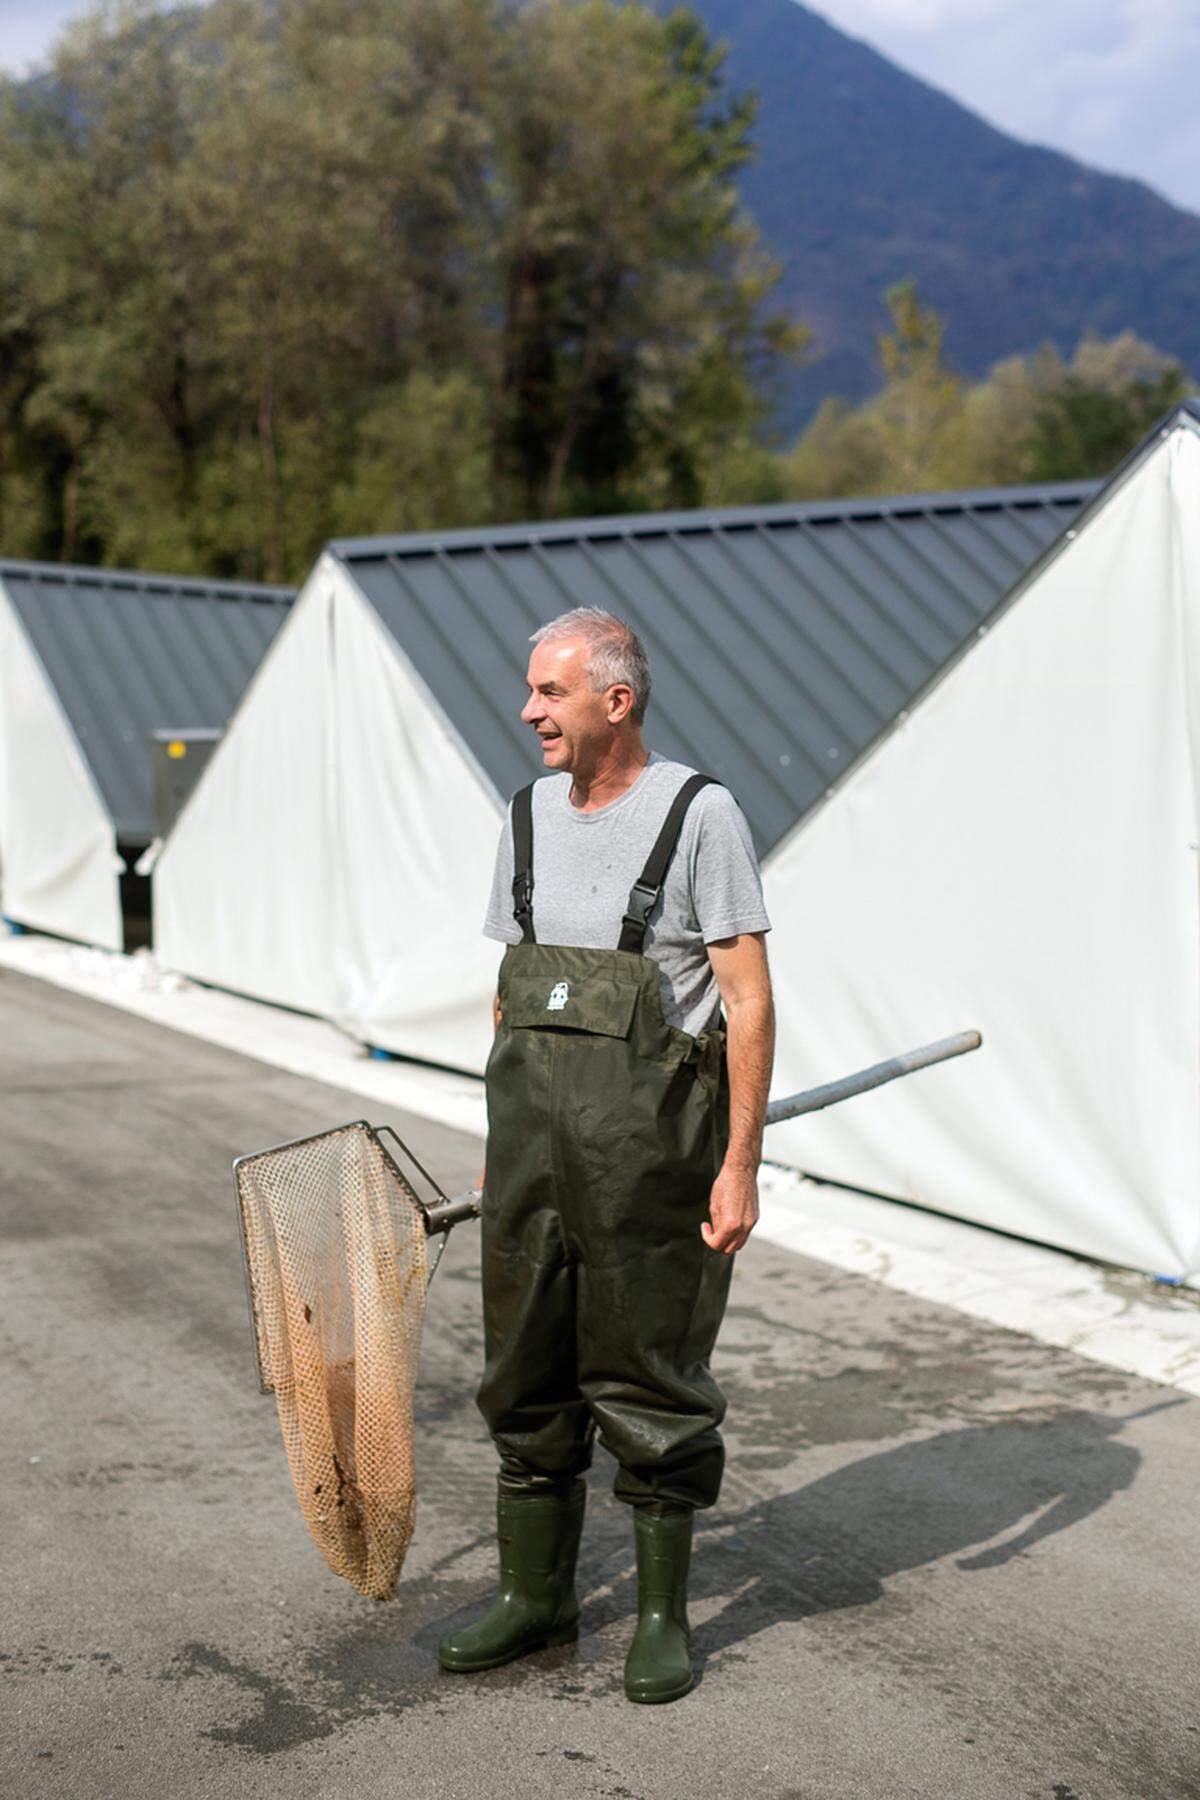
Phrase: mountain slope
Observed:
(866, 175)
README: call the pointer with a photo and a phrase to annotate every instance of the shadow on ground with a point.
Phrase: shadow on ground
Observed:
(982, 1495)
(834, 1542)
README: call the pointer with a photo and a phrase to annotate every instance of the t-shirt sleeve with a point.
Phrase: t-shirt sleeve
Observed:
(499, 923)
(726, 886)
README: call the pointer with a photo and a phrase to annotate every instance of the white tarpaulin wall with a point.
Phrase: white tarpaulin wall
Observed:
(59, 868)
(1021, 856)
(337, 852)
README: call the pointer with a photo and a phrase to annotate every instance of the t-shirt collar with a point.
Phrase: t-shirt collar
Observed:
(605, 812)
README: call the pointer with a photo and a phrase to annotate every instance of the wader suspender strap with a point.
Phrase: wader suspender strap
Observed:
(645, 891)
(643, 896)
(522, 887)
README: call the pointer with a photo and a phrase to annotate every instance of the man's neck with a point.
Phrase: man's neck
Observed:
(620, 767)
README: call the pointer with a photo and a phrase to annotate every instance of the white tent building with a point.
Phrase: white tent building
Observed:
(94, 662)
(1020, 852)
(336, 854)
(338, 842)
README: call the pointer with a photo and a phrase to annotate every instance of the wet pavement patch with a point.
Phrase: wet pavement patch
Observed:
(281, 1721)
(381, 1665)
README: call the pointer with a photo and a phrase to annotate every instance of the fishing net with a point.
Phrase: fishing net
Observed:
(335, 1242)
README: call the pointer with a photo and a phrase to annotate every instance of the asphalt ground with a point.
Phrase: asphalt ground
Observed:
(948, 1560)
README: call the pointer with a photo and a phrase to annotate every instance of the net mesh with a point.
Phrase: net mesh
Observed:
(336, 1256)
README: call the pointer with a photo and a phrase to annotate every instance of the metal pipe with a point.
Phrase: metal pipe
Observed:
(813, 1099)
(452, 1212)
(448, 1213)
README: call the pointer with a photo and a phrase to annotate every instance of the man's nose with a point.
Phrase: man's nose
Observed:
(533, 710)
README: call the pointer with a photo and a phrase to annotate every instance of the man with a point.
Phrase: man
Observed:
(624, 1136)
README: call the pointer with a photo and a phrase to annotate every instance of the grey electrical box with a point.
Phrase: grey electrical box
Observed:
(179, 761)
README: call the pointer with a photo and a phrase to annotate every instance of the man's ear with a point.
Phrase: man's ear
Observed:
(620, 703)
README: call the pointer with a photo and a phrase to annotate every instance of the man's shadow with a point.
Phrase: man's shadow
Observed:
(834, 1542)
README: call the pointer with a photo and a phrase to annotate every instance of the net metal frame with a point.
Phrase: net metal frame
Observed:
(334, 1238)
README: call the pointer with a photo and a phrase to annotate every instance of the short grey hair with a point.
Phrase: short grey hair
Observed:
(617, 653)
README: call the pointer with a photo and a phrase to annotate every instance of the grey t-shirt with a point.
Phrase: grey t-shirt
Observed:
(584, 864)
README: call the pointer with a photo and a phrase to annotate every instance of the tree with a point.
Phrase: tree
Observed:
(632, 284)
(422, 456)
(896, 441)
(25, 462)
(1033, 418)
(277, 270)
(988, 445)
(921, 398)
(1110, 396)
(89, 167)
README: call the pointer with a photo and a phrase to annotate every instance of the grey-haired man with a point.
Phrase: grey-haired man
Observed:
(625, 1129)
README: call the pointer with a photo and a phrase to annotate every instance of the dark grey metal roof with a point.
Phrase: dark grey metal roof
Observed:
(128, 654)
(782, 639)
(1185, 415)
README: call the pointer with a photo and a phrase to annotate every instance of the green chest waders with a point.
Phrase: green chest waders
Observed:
(606, 1130)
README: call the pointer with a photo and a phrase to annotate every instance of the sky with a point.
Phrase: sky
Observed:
(1110, 81)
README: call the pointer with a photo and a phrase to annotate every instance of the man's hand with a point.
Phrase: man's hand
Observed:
(732, 1209)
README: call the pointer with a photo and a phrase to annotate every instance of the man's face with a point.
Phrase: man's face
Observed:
(574, 723)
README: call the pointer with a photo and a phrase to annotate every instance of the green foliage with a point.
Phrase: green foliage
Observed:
(422, 455)
(279, 271)
(1034, 418)
(633, 287)
(1105, 402)
(895, 441)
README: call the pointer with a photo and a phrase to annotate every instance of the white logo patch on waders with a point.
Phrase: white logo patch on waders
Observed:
(558, 996)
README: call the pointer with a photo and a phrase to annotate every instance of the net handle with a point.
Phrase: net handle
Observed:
(454, 1212)
(863, 1080)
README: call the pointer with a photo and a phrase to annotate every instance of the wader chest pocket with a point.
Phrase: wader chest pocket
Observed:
(590, 1004)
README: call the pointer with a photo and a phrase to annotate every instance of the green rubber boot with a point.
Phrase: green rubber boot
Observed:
(535, 1605)
(659, 1665)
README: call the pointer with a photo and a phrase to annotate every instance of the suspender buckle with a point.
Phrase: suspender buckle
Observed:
(642, 897)
(522, 889)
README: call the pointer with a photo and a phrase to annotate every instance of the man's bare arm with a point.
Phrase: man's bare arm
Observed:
(740, 966)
